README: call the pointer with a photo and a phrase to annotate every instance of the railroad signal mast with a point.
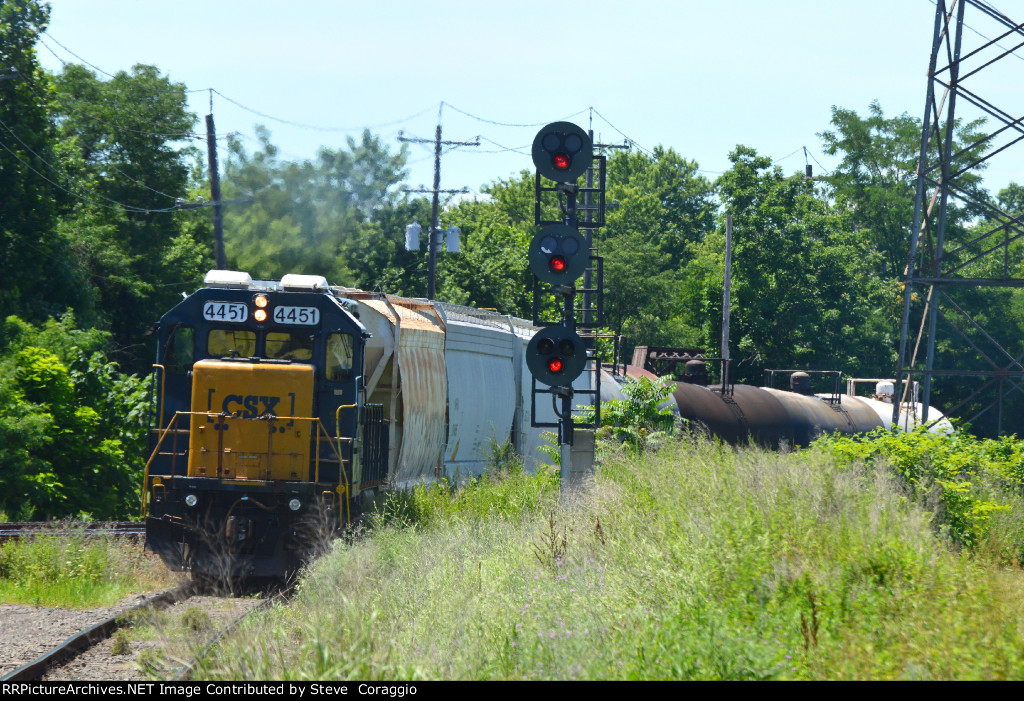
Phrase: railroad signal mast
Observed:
(559, 254)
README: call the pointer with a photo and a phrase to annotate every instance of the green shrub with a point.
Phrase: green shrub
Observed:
(505, 490)
(638, 421)
(976, 484)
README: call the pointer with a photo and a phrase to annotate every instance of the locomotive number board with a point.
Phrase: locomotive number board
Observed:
(298, 316)
(225, 311)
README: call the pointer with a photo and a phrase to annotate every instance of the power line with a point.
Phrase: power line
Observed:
(118, 205)
(506, 124)
(503, 149)
(314, 127)
(1012, 52)
(91, 65)
(174, 135)
(60, 171)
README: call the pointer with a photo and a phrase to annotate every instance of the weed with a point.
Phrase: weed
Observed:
(75, 570)
(151, 662)
(121, 644)
(810, 631)
(196, 619)
(599, 532)
(551, 546)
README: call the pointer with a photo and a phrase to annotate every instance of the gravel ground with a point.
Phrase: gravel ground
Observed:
(29, 631)
(164, 636)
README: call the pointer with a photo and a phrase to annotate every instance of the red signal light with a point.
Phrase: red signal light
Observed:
(554, 365)
(561, 161)
(558, 264)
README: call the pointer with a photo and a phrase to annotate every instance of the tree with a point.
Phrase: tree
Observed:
(124, 137)
(71, 426)
(322, 216)
(803, 290)
(32, 187)
(492, 270)
(878, 177)
(664, 208)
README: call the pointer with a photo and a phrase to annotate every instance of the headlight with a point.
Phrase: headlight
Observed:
(294, 504)
(191, 499)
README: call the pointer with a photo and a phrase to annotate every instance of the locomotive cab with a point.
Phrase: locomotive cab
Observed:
(258, 423)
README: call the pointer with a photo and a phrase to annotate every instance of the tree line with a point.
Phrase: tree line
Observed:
(93, 251)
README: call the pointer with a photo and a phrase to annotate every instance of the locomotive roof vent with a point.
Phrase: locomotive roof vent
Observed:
(228, 278)
(304, 283)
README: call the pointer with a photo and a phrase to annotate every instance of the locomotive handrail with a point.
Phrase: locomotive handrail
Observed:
(210, 414)
(347, 513)
(337, 418)
(156, 449)
(163, 379)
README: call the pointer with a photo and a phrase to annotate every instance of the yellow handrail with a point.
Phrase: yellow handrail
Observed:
(145, 475)
(337, 417)
(341, 467)
(335, 446)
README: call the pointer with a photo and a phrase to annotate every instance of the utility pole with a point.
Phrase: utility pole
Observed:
(726, 301)
(434, 239)
(218, 217)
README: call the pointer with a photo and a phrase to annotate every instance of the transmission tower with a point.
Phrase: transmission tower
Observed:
(961, 259)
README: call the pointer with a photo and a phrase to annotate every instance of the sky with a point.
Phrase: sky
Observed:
(699, 77)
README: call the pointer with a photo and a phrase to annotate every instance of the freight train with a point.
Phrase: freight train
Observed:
(281, 408)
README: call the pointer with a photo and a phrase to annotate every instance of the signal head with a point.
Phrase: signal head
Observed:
(554, 356)
(562, 152)
(558, 254)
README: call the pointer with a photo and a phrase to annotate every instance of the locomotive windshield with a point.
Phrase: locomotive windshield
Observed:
(231, 343)
(180, 351)
(289, 345)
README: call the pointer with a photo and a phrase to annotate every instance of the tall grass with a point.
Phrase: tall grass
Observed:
(696, 562)
(76, 571)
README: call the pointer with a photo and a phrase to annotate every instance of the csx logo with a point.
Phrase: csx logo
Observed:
(249, 406)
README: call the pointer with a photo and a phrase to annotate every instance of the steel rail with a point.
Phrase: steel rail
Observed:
(188, 670)
(80, 642)
(15, 530)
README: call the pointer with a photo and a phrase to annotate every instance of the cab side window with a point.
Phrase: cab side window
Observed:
(339, 356)
(180, 351)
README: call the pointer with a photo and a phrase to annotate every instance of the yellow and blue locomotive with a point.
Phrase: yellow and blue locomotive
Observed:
(259, 425)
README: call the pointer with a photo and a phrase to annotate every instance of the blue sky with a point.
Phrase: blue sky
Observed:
(700, 77)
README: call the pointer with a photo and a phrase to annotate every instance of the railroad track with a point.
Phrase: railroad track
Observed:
(83, 640)
(65, 660)
(22, 529)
